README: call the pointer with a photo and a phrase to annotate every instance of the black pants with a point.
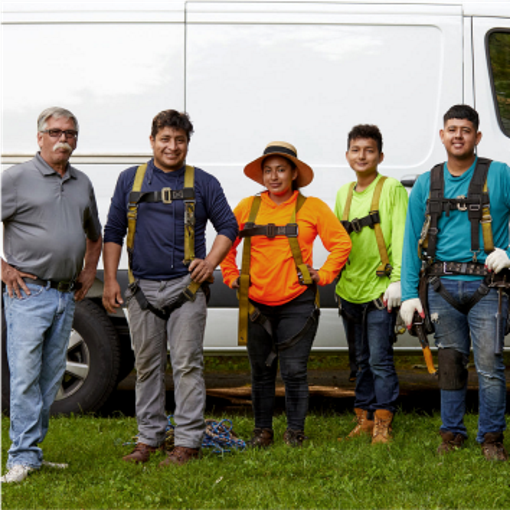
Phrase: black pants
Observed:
(287, 320)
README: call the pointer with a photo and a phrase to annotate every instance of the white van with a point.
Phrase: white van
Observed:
(248, 73)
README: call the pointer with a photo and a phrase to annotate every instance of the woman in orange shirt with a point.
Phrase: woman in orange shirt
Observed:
(278, 279)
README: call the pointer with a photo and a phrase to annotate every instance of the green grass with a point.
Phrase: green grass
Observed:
(325, 474)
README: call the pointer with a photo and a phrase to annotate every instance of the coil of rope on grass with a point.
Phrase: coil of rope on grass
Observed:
(218, 435)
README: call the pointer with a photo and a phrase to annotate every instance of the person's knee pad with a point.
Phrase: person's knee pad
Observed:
(452, 371)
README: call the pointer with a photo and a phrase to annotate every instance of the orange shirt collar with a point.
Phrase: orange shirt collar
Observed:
(265, 198)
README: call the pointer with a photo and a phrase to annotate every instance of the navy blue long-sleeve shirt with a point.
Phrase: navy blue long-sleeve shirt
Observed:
(159, 238)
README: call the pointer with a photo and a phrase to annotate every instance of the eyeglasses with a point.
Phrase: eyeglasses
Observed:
(57, 133)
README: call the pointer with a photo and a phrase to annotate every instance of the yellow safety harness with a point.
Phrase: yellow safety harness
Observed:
(166, 195)
(373, 221)
(246, 309)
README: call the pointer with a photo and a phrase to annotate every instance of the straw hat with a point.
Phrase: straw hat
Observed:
(254, 169)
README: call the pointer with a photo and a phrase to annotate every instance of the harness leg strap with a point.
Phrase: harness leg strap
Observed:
(292, 340)
(452, 372)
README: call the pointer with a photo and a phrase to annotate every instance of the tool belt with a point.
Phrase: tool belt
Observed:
(433, 273)
(62, 286)
(188, 294)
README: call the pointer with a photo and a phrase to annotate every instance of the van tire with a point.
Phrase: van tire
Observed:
(94, 352)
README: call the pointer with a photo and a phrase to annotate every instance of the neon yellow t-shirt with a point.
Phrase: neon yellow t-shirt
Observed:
(359, 282)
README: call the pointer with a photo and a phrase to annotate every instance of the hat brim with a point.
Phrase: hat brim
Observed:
(253, 170)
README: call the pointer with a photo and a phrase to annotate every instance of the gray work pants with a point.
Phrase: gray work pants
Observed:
(183, 333)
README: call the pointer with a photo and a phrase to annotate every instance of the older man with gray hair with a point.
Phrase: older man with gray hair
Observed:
(52, 243)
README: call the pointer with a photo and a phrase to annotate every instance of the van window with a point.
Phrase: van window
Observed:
(499, 54)
(113, 77)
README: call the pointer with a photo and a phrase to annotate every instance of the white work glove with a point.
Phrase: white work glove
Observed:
(391, 298)
(497, 260)
(407, 309)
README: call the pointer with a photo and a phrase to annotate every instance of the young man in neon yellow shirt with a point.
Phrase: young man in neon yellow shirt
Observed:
(369, 286)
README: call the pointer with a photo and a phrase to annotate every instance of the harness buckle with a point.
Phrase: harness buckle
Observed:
(271, 231)
(445, 271)
(356, 225)
(474, 207)
(292, 230)
(166, 195)
(459, 206)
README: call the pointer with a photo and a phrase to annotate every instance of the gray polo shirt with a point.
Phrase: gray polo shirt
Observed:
(47, 219)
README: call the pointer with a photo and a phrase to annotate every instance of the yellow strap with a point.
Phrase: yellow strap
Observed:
(189, 218)
(347, 207)
(244, 278)
(488, 241)
(383, 253)
(302, 270)
(131, 215)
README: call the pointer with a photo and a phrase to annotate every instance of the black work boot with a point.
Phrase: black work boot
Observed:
(294, 437)
(451, 442)
(492, 447)
(262, 438)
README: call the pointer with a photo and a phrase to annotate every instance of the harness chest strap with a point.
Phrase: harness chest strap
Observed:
(246, 309)
(166, 195)
(372, 220)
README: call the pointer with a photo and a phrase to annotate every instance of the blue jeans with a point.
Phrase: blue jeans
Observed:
(376, 380)
(38, 329)
(454, 330)
(286, 320)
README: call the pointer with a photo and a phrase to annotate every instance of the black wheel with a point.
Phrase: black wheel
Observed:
(92, 368)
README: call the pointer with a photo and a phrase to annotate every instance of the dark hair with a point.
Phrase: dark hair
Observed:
(365, 131)
(463, 111)
(172, 119)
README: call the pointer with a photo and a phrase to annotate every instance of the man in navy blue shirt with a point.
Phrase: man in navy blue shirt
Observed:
(161, 312)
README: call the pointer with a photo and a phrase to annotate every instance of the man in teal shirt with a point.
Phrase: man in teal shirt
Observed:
(369, 287)
(461, 260)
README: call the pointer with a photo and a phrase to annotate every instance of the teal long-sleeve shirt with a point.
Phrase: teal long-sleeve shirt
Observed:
(454, 237)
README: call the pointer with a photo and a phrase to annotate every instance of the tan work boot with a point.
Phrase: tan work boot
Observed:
(141, 453)
(180, 455)
(492, 447)
(363, 424)
(382, 426)
(451, 442)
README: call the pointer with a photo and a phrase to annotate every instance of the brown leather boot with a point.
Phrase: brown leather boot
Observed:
(262, 438)
(141, 453)
(180, 455)
(382, 426)
(294, 437)
(492, 447)
(363, 424)
(451, 442)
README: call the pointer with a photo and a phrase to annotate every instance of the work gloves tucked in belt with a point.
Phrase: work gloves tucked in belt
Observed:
(407, 309)
(392, 296)
(497, 260)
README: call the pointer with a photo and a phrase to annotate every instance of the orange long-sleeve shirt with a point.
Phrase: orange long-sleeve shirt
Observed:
(273, 275)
